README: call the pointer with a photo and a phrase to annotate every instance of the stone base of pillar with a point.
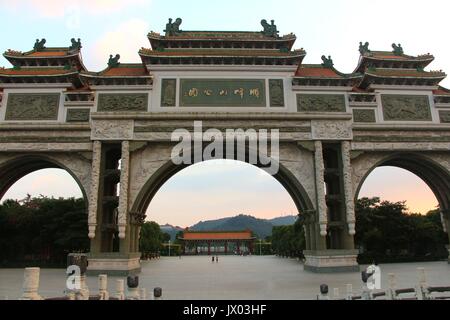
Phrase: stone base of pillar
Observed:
(331, 261)
(448, 248)
(114, 264)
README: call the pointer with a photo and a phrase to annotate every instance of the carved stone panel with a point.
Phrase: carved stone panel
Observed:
(112, 130)
(222, 93)
(108, 102)
(364, 115)
(168, 92)
(406, 108)
(321, 103)
(444, 116)
(276, 93)
(32, 106)
(78, 115)
(331, 130)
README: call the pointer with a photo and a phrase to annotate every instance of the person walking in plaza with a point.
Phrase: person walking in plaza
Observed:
(217, 259)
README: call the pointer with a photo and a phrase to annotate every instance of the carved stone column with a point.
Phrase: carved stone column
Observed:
(320, 191)
(445, 215)
(124, 186)
(95, 181)
(348, 189)
(137, 219)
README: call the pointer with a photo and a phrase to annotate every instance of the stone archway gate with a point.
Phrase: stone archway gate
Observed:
(111, 130)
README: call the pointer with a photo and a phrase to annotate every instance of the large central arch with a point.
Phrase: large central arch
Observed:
(169, 169)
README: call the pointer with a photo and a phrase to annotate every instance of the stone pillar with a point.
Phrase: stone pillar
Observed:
(120, 289)
(103, 287)
(31, 284)
(320, 191)
(348, 189)
(308, 241)
(124, 186)
(95, 182)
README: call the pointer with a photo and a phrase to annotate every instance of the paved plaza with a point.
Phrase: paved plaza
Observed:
(233, 277)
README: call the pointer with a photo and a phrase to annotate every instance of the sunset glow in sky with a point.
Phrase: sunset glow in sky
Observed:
(209, 191)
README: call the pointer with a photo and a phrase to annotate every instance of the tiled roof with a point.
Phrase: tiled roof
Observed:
(36, 71)
(126, 71)
(48, 54)
(442, 92)
(220, 53)
(389, 55)
(405, 73)
(316, 71)
(243, 235)
(221, 35)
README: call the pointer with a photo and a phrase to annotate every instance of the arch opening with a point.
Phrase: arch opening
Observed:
(409, 222)
(43, 213)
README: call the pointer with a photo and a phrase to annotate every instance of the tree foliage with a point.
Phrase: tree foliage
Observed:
(289, 241)
(42, 231)
(385, 231)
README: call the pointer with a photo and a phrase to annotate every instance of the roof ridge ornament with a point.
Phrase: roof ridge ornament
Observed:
(327, 62)
(39, 44)
(76, 44)
(270, 30)
(398, 50)
(364, 48)
(113, 62)
(173, 28)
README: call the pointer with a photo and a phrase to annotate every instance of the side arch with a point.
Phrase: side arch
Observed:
(16, 167)
(436, 176)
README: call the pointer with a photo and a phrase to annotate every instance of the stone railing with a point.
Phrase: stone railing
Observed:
(420, 292)
(80, 291)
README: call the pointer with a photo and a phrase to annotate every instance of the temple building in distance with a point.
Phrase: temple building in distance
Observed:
(217, 242)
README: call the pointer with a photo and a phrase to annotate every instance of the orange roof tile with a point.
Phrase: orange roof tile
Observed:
(316, 72)
(219, 53)
(126, 71)
(47, 54)
(244, 235)
(405, 73)
(35, 72)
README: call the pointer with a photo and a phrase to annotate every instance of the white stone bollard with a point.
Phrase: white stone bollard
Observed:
(103, 287)
(336, 293)
(392, 286)
(422, 289)
(143, 294)
(31, 284)
(349, 295)
(120, 289)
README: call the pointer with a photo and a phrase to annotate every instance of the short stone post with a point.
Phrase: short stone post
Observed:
(391, 295)
(120, 289)
(349, 295)
(76, 287)
(335, 293)
(143, 294)
(323, 293)
(366, 292)
(31, 284)
(133, 288)
(422, 288)
(103, 287)
(157, 293)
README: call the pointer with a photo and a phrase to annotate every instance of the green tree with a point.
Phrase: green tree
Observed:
(150, 239)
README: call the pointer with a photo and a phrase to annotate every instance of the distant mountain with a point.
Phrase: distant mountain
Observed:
(283, 221)
(261, 227)
(171, 230)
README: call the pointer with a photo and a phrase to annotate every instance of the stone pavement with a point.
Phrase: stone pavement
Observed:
(234, 277)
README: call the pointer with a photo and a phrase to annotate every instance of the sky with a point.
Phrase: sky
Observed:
(322, 27)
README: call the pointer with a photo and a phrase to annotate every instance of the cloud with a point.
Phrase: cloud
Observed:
(60, 8)
(125, 40)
